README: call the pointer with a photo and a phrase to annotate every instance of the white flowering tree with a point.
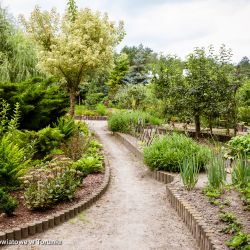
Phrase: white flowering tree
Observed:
(73, 47)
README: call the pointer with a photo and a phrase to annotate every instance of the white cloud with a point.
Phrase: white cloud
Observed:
(169, 26)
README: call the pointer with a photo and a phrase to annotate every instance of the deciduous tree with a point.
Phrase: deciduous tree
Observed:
(75, 46)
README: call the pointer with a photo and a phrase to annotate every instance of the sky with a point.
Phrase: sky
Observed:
(167, 26)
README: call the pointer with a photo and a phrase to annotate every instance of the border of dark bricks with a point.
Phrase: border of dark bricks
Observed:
(194, 221)
(84, 117)
(40, 226)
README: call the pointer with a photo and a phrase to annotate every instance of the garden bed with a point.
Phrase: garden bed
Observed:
(231, 203)
(23, 215)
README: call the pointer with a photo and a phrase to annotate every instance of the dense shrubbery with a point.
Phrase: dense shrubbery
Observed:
(41, 101)
(169, 152)
(98, 110)
(126, 121)
(238, 145)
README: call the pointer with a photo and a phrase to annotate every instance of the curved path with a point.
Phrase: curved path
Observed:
(132, 215)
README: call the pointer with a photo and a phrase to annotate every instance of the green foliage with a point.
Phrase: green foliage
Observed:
(91, 160)
(92, 99)
(216, 172)
(8, 204)
(132, 96)
(82, 46)
(83, 110)
(17, 53)
(241, 171)
(89, 164)
(246, 196)
(41, 101)
(101, 109)
(48, 139)
(240, 241)
(126, 121)
(189, 171)
(49, 184)
(117, 75)
(233, 225)
(12, 161)
(239, 145)
(243, 98)
(66, 125)
(76, 145)
(140, 60)
(168, 153)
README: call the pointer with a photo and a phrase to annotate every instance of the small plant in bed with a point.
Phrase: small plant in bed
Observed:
(169, 152)
(241, 171)
(241, 241)
(50, 183)
(216, 172)
(189, 170)
(8, 204)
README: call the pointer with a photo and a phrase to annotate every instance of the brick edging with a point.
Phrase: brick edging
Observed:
(85, 117)
(194, 221)
(60, 217)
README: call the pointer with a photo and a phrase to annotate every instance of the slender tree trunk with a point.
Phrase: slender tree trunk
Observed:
(72, 103)
(197, 126)
(210, 126)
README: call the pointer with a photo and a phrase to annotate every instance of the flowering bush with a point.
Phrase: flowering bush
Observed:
(56, 181)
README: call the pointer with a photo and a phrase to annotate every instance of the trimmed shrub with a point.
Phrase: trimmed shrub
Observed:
(168, 152)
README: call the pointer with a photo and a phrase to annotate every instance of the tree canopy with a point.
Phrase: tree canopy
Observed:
(73, 48)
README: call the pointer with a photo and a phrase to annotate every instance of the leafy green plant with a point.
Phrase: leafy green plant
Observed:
(246, 196)
(189, 171)
(8, 204)
(48, 184)
(239, 145)
(241, 171)
(168, 153)
(48, 139)
(240, 241)
(89, 164)
(216, 172)
(66, 125)
(233, 225)
(12, 161)
(101, 109)
(213, 194)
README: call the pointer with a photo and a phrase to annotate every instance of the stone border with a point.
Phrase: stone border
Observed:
(60, 217)
(194, 221)
(85, 117)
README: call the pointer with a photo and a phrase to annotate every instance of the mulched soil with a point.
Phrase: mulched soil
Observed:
(23, 216)
(211, 212)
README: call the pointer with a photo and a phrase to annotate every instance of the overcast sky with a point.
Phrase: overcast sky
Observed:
(168, 26)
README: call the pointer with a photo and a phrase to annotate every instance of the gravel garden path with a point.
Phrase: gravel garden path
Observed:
(132, 215)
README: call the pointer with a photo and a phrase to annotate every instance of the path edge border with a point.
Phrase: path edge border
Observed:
(91, 118)
(194, 221)
(60, 217)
